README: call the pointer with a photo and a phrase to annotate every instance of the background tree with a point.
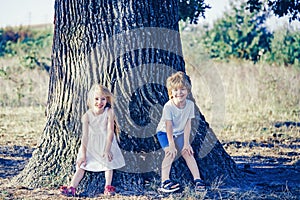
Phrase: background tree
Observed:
(285, 48)
(280, 8)
(192, 10)
(238, 34)
(131, 47)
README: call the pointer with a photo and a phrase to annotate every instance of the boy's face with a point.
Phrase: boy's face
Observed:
(179, 94)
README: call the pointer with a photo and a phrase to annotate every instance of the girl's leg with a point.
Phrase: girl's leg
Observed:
(109, 189)
(108, 177)
(166, 168)
(192, 165)
(77, 177)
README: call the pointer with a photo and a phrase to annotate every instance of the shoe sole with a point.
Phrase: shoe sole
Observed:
(199, 189)
(168, 191)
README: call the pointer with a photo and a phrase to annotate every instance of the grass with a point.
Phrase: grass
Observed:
(21, 126)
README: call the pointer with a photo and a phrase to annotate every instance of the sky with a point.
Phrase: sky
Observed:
(33, 12)
(26, 12)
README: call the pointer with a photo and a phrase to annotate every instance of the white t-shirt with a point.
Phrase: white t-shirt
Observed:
(178, 116)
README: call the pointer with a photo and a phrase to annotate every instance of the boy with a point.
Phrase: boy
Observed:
(173, 131)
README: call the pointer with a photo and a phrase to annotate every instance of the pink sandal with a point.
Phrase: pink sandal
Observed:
(109, 190)
(67, 191)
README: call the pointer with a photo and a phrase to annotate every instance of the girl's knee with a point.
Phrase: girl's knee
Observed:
(80, 171)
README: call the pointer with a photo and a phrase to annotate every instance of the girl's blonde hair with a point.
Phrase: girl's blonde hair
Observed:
(178, 80)
(102, 90)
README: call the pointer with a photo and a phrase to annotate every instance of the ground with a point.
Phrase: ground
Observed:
(271, 164)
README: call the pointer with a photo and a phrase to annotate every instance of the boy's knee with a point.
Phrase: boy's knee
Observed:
(186, 155)
(169, 158)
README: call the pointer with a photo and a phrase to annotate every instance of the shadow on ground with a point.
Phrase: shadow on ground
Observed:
(267, 175)
(13, 159)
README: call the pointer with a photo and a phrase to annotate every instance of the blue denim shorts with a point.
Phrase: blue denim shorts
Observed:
(163, 140)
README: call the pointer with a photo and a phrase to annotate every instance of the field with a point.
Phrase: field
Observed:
(254, 110)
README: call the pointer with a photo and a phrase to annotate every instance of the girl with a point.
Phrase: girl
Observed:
(99, 150)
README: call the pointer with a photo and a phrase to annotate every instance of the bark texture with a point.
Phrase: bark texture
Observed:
(131, 47)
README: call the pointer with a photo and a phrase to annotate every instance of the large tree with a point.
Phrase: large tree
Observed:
(131, 47)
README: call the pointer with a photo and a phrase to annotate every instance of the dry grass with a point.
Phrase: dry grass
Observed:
(243, 102)
(254, 99)
(21, 86)
(21, 126)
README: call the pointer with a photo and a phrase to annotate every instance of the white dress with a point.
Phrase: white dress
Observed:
(97, 134)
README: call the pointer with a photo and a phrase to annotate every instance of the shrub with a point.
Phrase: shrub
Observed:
(285, 48)
(239, 34)
(32, 47)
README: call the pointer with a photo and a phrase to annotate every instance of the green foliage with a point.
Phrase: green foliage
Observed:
(280, 8)
(28, 45)
(239, 34)
(191, 10)
(12, 35)
(285, 48)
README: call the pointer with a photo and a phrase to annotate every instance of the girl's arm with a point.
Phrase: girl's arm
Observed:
(110, 135)
(171, 150)
(187, 131)
(84, 139)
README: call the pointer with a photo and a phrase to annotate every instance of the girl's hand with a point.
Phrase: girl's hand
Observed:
(187, 149)
(108, 155)
(81, 161)
(171, 151)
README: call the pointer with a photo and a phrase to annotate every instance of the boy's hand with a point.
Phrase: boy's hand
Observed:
(81, 161)
(187, 149)
(171, 151)
(108, 155)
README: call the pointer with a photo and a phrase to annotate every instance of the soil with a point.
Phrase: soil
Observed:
(271, 166)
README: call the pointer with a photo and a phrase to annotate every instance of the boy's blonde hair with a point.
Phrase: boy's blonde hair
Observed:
(104, 91)
(178, 80)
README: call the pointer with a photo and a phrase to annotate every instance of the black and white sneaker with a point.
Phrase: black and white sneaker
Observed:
(199, 184)
(168, 186)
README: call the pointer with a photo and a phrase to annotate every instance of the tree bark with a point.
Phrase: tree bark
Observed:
(131, 47)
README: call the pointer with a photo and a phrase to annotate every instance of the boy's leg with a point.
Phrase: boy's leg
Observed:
(167, 185)
(167, 161)
(108, 177)
(77, 177)
(192, 165)
(166, 168)
(189, 159)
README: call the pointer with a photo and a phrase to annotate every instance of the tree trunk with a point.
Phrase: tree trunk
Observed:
(131, 47)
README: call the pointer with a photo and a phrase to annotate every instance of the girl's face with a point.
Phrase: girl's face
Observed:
(179, 94)
(99, 103)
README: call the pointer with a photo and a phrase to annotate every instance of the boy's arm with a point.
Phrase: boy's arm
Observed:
(110, 135)
(171, 150)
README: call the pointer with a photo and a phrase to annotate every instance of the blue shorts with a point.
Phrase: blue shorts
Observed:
(163, 140)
